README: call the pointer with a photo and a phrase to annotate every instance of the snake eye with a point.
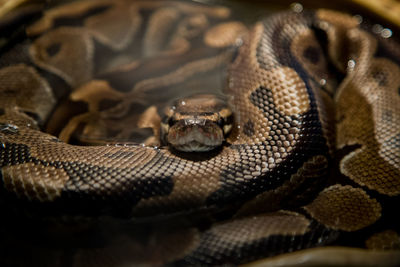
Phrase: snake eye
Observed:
(168, 120)
(221, 122)
(171, 121)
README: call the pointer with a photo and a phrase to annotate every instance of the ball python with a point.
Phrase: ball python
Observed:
(307, 158)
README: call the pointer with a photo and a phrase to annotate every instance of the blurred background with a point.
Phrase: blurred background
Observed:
(379, 10)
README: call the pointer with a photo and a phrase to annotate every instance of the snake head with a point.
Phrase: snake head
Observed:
(197, 123)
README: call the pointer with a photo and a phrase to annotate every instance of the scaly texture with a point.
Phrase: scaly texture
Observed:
(273, 187)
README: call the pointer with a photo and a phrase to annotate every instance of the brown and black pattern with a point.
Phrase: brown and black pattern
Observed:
(312, 160)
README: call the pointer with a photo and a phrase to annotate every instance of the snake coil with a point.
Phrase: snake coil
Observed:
(312, 158)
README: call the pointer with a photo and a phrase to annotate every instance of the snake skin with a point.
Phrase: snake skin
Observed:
(313, 159)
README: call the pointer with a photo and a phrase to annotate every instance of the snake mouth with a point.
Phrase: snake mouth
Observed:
(197, 123)
(194, 146)
(195, 138)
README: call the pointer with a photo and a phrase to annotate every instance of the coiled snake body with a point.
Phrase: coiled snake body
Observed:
(312, 158)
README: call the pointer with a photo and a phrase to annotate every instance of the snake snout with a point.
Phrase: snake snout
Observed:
(195, 136)
(197, 123)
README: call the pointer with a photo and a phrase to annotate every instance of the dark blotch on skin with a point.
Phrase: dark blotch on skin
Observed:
(380, 77)
(312, 54)
(248, 128)
(53, 49)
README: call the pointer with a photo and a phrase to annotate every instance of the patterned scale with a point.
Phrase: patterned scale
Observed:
(312, 160)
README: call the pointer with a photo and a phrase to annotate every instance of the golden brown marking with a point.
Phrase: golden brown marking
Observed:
(180, 74)
(161, 22)
(368, 110)
(150, 119)
(43, 147)
(303, 44)
(268, 201)
(93, 92)
(289, 93)
(30, 92)
(73, 44)
(194, 181)
(385, 240)
(345, 208)
(253, 228)
(193, 25)
(338, 19)
(308, 52)
(35, 182)
(117, 26)
(77, 8)
(177, 46)
(67, 10)
(225, 34)
(216, 11)
(225, 112)
(337, 27)
(86, 118)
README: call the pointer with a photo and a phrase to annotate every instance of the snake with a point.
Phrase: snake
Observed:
(170, 133)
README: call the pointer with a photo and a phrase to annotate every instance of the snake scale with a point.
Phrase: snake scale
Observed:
(312, 159)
